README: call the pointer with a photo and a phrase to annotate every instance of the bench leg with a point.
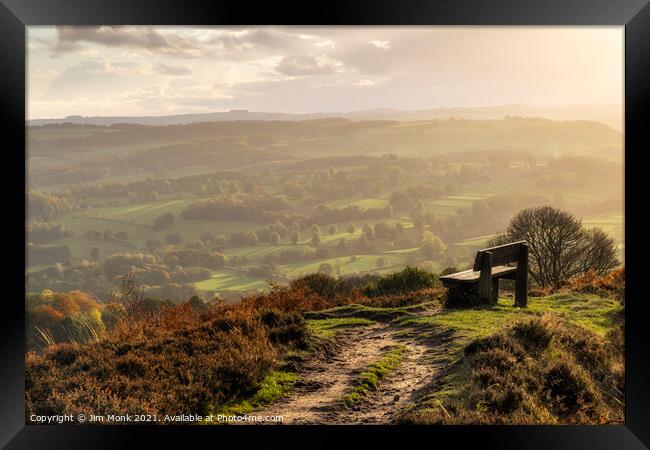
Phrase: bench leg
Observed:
(495, 291)
(485, 279)
(521, 287)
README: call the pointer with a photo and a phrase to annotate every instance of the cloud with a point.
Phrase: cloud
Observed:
(368, 83)
(73, 80)
(145, 38)
(301, 69)
(307, 65)
(381, 44)
(164, 69)
(232, 43)
(369, 58)
(95, 75)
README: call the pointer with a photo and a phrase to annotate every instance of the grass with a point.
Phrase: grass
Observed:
(480, 241)
(366, 203)
(370, 379)
(334, 239)
(80, 224)
(471, 323)
(271, 389)
(222, 281)
(139, 233)
(587, 310)
(143, 213)
(449, 204)
(258, 251)
(329, 328)
(361, 263)
(363, 312)
(176, 360)
(543, 369)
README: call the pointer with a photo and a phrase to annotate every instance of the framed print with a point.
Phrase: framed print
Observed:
(254, 219)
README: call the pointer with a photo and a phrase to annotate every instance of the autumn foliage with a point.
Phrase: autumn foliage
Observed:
(62, 317)
(611, 284)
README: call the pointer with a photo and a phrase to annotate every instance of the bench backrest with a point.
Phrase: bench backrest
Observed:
(501, 254)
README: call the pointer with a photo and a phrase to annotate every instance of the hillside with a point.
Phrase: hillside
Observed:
(610, 115)
(319, 351)
(60, 151)
(219, 208)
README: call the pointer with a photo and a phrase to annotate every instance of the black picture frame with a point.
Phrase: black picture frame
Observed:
(15, 15)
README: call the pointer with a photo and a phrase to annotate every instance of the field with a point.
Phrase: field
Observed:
(450, 204)
(136, 220)
(611, 223)
(464, 193)
(233, 281)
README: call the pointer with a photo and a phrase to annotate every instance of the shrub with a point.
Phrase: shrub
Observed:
(179, 359)
(410, 298)
(286, 299)
(611, 284)
(541, 370)
(174, 238)
(285, 328)
(164, 221)
(321, 284)
(449, 270)
(62, 317)
(407, 280)
(533, 335)
(568, 390)
(326, 268)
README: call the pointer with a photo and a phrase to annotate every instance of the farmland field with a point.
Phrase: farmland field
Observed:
(347, 206)
(231, 281)
(365, 203)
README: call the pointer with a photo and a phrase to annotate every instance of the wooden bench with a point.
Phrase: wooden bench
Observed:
(490, 265)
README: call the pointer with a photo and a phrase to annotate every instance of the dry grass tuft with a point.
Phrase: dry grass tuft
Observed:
(539, 370)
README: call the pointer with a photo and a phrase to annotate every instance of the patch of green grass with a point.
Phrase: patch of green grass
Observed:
(450, 204)
(485, 385)
(471, 322)
(366, 203)
(375, 314)
(258, 251)
(328, 328)
(231, 281)
(348, 265)
(480, 241)
(143, 213)
(80, 247)
(271, 389)
(587, 310)
(370, 379)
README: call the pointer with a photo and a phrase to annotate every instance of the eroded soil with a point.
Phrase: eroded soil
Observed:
(324, 380)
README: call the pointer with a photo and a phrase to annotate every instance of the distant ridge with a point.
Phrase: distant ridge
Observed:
(610, 115)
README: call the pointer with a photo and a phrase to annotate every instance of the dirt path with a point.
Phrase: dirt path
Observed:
(315, 399)
(401, 389)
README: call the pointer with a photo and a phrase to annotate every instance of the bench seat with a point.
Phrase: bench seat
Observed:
(472, 276)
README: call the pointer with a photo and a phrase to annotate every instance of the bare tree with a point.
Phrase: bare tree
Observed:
(131, 294)
(560, 248)
(600, 255)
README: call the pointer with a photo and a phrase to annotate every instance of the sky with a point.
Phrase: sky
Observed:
(137, 70)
